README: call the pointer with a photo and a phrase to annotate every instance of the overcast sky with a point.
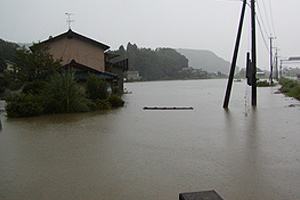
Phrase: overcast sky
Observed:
(194, 24)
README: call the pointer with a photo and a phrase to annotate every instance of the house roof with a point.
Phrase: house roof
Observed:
(123, 64)
(72, 34)
(110, 55)
(84, 74)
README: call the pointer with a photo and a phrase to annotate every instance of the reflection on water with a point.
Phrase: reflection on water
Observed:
(130, 153)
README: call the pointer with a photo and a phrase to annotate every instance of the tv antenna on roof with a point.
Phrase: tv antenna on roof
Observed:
(69, 21)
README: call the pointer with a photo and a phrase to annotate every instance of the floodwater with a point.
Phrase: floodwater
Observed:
(129, 153)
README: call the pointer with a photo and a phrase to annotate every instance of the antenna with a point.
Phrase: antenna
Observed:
(69, 21)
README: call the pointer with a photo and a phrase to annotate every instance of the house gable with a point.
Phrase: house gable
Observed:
(73, 46)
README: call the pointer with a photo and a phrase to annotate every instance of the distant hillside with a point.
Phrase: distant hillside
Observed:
(158, 64)
(205, 60)
(7, 50)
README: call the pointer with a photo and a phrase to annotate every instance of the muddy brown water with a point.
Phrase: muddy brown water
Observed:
(131, 153)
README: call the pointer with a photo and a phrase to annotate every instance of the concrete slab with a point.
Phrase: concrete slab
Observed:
(205, 195)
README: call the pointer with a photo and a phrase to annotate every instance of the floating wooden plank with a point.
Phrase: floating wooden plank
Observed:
(167, 108)
(206, 195)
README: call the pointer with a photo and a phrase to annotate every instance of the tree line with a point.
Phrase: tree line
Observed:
(158, 64)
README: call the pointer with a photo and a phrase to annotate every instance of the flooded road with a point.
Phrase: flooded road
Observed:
(130, 153)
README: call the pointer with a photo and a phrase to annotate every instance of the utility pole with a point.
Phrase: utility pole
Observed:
(280, 68)
(233, 63)
(254, 88)
(276, 64)
(271, 60)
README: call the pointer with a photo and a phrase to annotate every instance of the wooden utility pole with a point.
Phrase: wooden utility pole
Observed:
(233, 63)
(271, 60)
(280, 69)
(276, 64)
(254, 88)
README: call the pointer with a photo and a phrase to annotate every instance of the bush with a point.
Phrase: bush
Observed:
(96, 88)
(264, 83)
(294, 92)
(290, 88)
(63, 95)
(286, 84)
(34, 87)
(23, 105)
(103, 104)
(115, 100)
(117, 91)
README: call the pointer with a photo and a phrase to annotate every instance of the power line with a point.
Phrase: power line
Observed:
(268, 30)
(272, 18)
(266, 14)
(262, 22)
(262, 35)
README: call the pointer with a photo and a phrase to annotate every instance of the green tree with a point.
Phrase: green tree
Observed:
(24, 105)
(35, 87)
(162, 63)
(31, 66)
(7, 50)
(64, 95)
(96, 88)
(2, 65)
(115, 100)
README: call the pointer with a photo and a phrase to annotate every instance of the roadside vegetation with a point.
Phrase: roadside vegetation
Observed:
(290, 87)
(265, 83)
(41, 87)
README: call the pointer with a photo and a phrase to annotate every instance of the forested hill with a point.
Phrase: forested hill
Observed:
(7, 52)
(205, 60)
(158, 64)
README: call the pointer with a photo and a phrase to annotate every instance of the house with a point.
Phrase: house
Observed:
(133, 76)
(83, 55)
(116, 67)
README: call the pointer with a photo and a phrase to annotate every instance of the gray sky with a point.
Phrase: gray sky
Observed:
(193, 24)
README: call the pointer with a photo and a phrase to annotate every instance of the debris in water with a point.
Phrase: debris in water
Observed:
(168, 108)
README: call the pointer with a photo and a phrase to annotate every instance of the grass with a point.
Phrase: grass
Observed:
(290, 87)
(264, 83)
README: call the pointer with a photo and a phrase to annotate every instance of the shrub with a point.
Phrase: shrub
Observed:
(23, 105)
(290, 87)
(264, 83)
(294, 92)
(117, 91)
(63, 95)
(287, 85)
(103, 104)
(115, 100)
(96, 88)
(34, 87)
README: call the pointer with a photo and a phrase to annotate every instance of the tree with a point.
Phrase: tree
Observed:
(3, 65)
(7, 50)
(24, 105)
(64, 95)
(31, 66)
(96, 88)
(162, 63)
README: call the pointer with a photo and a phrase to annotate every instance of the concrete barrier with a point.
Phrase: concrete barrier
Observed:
(205, 195)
